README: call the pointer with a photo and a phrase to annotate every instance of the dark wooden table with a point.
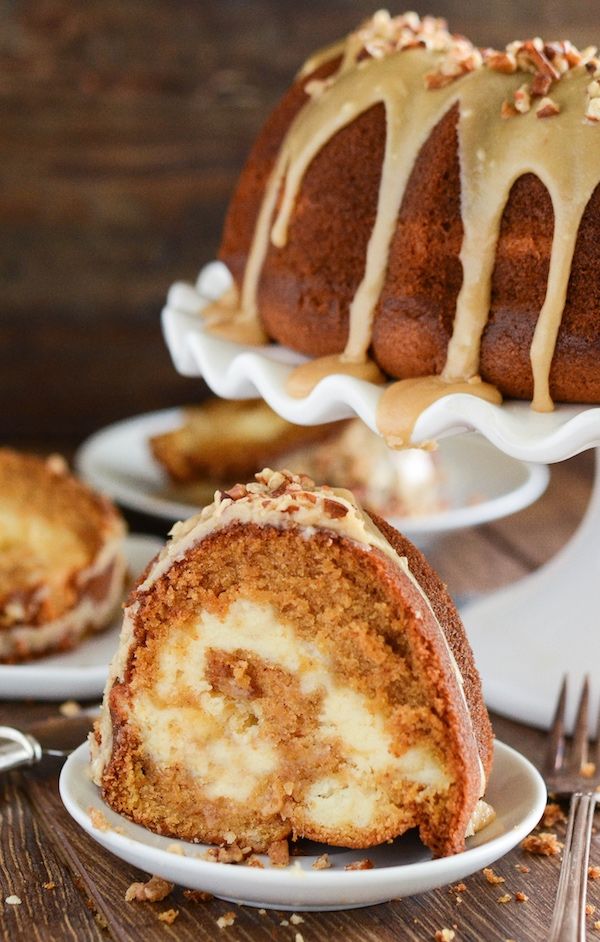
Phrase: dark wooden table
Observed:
(40, 844)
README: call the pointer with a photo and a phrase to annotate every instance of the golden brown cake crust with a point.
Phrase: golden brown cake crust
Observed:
(306, 287)
(450, 620)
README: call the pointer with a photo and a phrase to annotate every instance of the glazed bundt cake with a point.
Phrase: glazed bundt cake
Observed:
(420, 208)
(289, 666)
(62, 566)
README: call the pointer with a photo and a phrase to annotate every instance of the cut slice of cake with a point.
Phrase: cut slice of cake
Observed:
(62, 565)
(227, 439)
(221, 440)
(291, 667)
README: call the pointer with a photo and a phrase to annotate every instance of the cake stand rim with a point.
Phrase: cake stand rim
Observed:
(235, 371)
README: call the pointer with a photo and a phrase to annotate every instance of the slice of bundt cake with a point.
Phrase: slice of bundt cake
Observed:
(223, 440)
(62, 566)
(289, 666)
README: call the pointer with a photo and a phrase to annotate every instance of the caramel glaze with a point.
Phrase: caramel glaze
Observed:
(493, 155)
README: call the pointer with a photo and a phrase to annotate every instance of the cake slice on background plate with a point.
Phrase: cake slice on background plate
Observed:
(62, 562)
(291, 667)
(220, 441)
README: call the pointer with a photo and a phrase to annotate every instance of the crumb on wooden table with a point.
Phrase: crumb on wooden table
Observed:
(153, 891)
(13, 900)
(545, 843)
(492, 877)
(522, 868)
(459, 888)
(593, 873)
(553, 815)
(70, 708)
(521, 897)
(198, 896)
(169, 916)
(504, 899)
(226, 920)
(590, 909)
(444, 935)
(50, 885)
(295, 919)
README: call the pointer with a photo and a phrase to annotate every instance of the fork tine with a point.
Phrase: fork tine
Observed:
(556, 738)
(597, 749)
(579, 752)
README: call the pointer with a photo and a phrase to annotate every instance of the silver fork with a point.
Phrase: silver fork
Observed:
(564, 778)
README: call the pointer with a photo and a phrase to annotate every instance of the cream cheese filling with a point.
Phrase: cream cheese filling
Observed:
(222, 743)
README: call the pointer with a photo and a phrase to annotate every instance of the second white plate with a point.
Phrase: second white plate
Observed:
(480, 483)
(80, 673)
(403, 868)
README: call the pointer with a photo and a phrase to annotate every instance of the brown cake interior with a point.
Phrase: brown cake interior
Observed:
(281, 685)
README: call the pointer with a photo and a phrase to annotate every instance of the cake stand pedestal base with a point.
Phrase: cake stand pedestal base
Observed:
(526, 636)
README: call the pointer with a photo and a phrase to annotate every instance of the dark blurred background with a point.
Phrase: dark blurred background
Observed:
(124, 125)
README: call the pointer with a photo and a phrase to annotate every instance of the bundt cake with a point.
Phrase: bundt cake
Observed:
(222, 440)
(62, 566)
(289, 666)
(421, 208)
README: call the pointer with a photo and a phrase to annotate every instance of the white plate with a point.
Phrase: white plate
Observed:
(403, 868)
(479, 482)
(82, 672)
(234, 371)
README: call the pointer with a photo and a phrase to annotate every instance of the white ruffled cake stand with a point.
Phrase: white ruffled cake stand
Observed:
(525, 636)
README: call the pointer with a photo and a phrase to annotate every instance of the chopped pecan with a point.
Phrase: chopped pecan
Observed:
(547, 108)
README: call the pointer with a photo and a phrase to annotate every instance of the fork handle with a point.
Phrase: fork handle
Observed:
(568, 919)
(17, 748)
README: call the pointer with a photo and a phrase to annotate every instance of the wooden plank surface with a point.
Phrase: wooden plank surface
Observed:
(40, 843)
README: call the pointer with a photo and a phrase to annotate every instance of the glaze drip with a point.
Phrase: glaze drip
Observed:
(418, 81)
